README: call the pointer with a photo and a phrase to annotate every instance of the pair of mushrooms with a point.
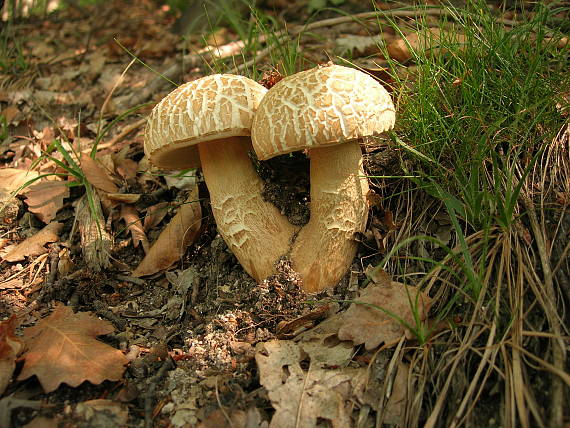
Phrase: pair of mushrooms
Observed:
(214, 122)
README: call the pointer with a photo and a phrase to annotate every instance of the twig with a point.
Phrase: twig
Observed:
(225, 51)
(153, 382)
(131, 279)
(110, 94)
(126, 131)
(365, 16)
(53, 261)
(222, 407)
(103, 311)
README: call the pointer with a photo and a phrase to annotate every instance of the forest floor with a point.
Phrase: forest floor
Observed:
(95, 334)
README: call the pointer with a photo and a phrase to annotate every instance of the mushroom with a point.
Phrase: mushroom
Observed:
(208, 121)
(328, 110)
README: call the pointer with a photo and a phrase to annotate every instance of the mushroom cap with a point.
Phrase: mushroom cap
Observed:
(211, 108)
(323, 106)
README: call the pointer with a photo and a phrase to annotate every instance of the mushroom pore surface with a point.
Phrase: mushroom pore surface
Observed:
(209, 120)
(327, 110)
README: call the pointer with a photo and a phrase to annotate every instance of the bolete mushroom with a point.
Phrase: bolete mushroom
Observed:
(208, 121)
(327, 110)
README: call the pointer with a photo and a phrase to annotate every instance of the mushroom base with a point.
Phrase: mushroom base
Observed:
(324, 249)
(254, 229)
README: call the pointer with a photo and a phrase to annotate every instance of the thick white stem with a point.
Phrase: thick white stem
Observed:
(324, 248)
(254, 230)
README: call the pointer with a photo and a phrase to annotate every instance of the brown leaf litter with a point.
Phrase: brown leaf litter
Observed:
(180, 232)
(383, 313)
(35, 244)
(62, 348)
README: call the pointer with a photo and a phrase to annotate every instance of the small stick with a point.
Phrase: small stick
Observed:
(131, 279)
(222, 407)
(296, 30)
(126, 131)
(53, 261)
(103, 311)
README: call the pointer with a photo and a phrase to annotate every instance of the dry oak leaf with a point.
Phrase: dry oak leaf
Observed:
(154, 215)
(301, 397)
(171, 244)
(131, 217)
(34, 245)
(373, 326)
(45, 199)
(434, 40)
(12, 178)
(10, 347)
(97, 175)
(62, 349)
(125, 167)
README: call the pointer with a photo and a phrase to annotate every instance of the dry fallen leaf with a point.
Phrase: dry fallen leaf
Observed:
(10, 347)
(10, 113)
(9, 208)
(126, 168)
(395, 408)
(373, 326)
(293, 327)
(11, 179)
(62, 349)
(328, 389)
(173, 240)
(34, 245)
(433, 40)
(358, 45)
(302, 397)
(131, 217)
(45, 199)
(127, 198)
(97, 175)
(154, 215)
(250, 418)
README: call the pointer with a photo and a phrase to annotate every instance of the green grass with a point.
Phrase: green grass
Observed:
(478, 116)
(474, 123)
(12, 59)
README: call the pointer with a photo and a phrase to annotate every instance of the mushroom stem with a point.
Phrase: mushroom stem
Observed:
(326, 245)
(254, 229)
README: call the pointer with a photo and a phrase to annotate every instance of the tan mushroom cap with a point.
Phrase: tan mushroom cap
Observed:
(320, 107)
(208, 122)
(212, 108)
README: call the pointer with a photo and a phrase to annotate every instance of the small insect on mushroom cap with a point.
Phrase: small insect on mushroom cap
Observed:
(320, 107)
(207, 109)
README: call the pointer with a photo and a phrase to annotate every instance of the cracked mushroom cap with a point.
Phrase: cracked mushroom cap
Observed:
(320, 107)
(212, 108)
